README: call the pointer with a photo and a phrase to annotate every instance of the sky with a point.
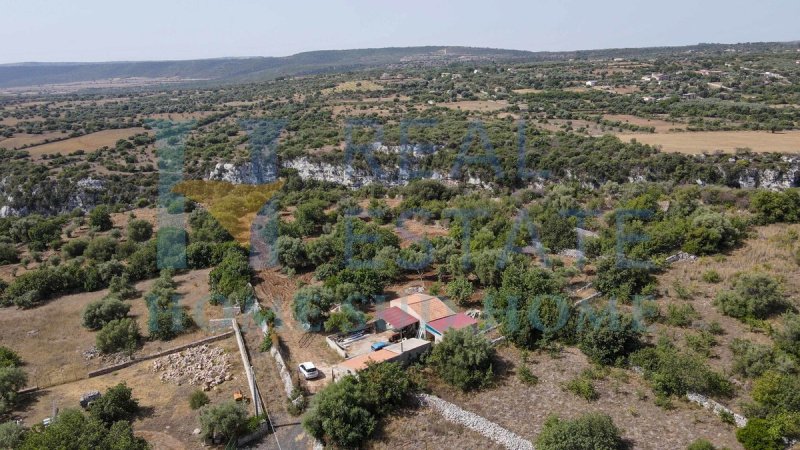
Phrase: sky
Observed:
(103, 30)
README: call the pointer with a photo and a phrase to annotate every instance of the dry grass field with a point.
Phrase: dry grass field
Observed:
(624, 396)
(51, 340)
(476, 105)
(166, 419)
(89, 142)
(354, 85)
(726, 141)
(20, 140)
(661, 126)
(424, 428)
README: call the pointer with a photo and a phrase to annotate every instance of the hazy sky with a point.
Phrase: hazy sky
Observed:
(109, 30)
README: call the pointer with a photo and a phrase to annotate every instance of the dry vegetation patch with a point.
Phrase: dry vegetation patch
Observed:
(726, 141)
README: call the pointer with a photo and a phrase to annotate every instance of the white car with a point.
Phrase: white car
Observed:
(309, 370)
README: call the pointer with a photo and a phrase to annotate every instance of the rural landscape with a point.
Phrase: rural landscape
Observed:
(403, 248)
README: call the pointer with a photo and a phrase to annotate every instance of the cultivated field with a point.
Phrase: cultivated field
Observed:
(726, 141)
(88, 142)
(661, 126)
(476, 105)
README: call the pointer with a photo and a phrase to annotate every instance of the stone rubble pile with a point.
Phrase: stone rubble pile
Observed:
(491, 430)
(202, 366)
(681, 256)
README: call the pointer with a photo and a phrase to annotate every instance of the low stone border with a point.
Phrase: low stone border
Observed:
(491, 430)
(116, 367)
(718, 408)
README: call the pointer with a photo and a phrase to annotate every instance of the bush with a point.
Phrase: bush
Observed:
(680, 315)
(100, 218)
(198, 399)
(622, 282)
(226, 420)
(99, 313)
(773, 207)
(753, 296)
(266, 344)
(73, 430)
(526, 376)
(8, 254)
(312, 304)
(75, 248)
(9, 358)
(291, 252)
(671, 372)
(116, 404)
(120, 286)
(758, 435)
(140, 230)
(711, 276)
(591, 431)
(460, 290)
(12, 379)
(345, 414)
(788, 338)
(11, 435)
(583, 388)
(750, 359)
(101, 249)
(463, 359)
(701, 444)
(346, 319)
(118, 335)
(609, 339)
(710, 232)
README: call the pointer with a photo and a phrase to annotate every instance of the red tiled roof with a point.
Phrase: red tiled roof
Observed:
(396, 317)
(456, 321)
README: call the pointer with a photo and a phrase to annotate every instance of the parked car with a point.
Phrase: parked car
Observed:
(309, 370)
(88, 398)
(379, 345)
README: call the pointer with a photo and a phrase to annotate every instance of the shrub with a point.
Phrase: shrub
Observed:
(101, 249)
(140, 230)
(671, 372)
(99, 313)
(226, 420)
(788, 338)
(680, 315)
(345, 414)
(751, 297)
(460, 290)
(198, 399)
(757, 435)
(711, 276)
(266, 343)
(583, 388)
(463, 359)
(710, 232)
(609, 338)
(120, 286)
(11, 435)
(12, 379)
(590, 431)
(750, 359)
(8, 254)
(9, 358)
(116, 404)
(118, 335)
(346, 319)
(701, 444)
(100, 219)
(311, 305)
(291, 252)
(75, 248)
(73, 430)
(772, 207)
(622, 282)
(526, 376)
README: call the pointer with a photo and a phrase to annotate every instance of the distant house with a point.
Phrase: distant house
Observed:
(434, 316)
(591, 83)
(403, 352)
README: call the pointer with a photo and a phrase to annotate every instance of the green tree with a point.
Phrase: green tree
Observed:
(11, 435)
(460, 290)
(291, 252)
(710, 232)
(346, 319)
(140, 230)
(100, 218)
(609, 338)
(72, 430)
(118, 335)
(758, 435)
(120, 286)
(226, 420)
(312, 305)
(101, 248)
(101, 312)
(116, 404)
(339, 417)
(591, 431)
(75, 248)
(464, 359)
(8, 254)
(558, 232)
(9, 358)
(12, 379)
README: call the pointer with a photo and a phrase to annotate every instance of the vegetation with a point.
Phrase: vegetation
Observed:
(751, 297)
(73, 430)
(118, 335)
(347, 413)
(464, 360)
(98, 314)
(116, 404)
(225, 420)
(595, 431)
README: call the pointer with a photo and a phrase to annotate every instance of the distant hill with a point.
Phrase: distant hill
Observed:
(262, 68)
